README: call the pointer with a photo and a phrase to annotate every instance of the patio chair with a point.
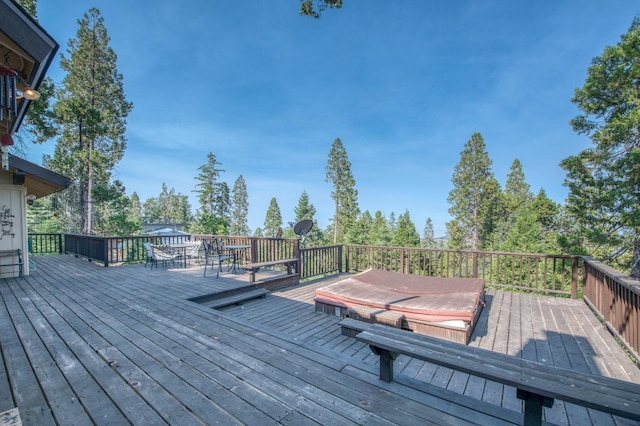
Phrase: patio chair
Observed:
(194, 250)
(149, 254)
(163, 254)
(213, 254)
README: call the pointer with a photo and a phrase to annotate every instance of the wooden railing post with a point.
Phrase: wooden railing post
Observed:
(346, 257)
(574, 278)
(475, 265)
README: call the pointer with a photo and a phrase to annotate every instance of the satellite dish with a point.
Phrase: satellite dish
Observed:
(301, 228)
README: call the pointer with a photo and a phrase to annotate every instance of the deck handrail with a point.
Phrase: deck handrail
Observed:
(543, 273)
(616, 299)
(613, 295)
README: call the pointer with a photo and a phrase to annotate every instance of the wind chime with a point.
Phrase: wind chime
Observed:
(8, 93)
(8, 108)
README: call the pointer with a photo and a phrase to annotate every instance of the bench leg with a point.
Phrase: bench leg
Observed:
(386, 362)
(533, 404)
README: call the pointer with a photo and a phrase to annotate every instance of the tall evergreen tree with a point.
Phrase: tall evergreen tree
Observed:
(406, 234)
(517, 191)
(91, 108)
(344, 194)
(135, 211)
(604, 180)
(239, 208)
(473, 197)
(380, 234)
(428, 239)
(223, 202)
(273, 219)
(306, 210)
(516, 197)
(113, 208)
(39, 124)
(360, 232)
(207, 186)
(168, 208)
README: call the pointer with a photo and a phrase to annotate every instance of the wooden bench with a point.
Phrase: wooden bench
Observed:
(15, 253)
(537, 384)
(252, 268)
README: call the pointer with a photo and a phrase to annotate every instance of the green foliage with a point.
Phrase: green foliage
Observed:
(42, 217)
(428, 237)
(306, 210)
(208, 187)
(406, 234)
(381, 231)
(474, 199)
(604, 180)
(273, 219)
(208, 224)
(360, 232)
(239, 208)
(314, 8)
(30, 7)
(91, 111)
(344, 194)
(168, 208)
(114, 216)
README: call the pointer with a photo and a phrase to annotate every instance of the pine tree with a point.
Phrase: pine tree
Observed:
(344, 194)
(473, 198)
(39, 123)
(92, 110)
(517, 191)
(239, 208)
(113, 211)
(380, 234)
(516, 197)
(135, 211)
(428, 237)
(306, 210)
(603, 181)
(168, 208)
(360, 232)
(207, 186)
(273, 219)
(406, 234)
(223, 202)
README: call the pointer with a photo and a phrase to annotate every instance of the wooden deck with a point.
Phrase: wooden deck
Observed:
(84, 344)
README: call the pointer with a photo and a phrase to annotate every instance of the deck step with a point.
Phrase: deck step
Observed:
(236, 298)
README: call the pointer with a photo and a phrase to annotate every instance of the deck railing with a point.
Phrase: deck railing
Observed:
(549, 274)
(46, 244)
(616, 298)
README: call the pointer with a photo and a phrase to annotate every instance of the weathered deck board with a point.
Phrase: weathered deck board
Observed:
(553, 330)
(84, 344)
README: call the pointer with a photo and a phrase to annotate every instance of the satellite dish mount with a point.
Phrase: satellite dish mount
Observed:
(302, 228)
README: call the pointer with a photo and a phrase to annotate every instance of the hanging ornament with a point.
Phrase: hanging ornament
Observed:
(8, 93)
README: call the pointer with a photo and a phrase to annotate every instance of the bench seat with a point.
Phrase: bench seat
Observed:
(537, 384)
(14, 253)
(253, 268)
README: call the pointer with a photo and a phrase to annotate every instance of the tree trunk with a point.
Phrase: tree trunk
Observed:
(89, 197)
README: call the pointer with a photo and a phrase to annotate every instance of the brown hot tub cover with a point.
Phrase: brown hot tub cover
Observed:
(417, 297)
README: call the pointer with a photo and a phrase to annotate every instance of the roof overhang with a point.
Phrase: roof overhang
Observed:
(38, 180)
(26, 48)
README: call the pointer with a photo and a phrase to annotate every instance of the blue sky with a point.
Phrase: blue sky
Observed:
(404, 85)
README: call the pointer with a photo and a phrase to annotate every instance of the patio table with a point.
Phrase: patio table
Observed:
(182, 249)
(234, 249)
